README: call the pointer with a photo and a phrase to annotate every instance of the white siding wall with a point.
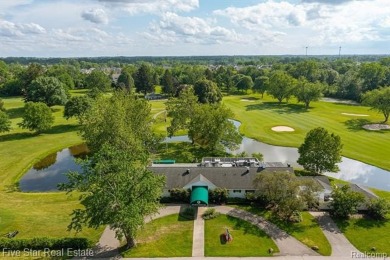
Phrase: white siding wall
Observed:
(236, 194)
(166, 193)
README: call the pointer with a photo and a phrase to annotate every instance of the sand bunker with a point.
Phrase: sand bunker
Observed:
(376, 127)
(282, 128)
(247, 100)
(348, 114)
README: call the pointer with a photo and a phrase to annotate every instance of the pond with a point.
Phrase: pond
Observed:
(46, 174)
(51, 170)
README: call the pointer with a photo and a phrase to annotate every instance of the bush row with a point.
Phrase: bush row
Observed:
(210, 214)
(39, 243)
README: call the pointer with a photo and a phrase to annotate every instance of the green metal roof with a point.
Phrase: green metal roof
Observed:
(199, 195)
(164, 161)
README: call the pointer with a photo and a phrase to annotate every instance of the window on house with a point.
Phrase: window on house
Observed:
(249, 191)
(236, 191)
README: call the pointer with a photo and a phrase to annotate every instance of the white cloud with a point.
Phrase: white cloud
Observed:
(172, 28)
(96, 15)
(10, 29)
(135, 7)
(14, 3)
(312, 21)
(385, 22)
(159, 27)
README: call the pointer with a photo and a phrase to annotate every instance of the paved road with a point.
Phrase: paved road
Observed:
(288, 245)
(340, 245)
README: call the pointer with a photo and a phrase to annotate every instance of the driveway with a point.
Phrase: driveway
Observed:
(341, 247)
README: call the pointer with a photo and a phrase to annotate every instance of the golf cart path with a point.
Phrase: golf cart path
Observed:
(339, 243)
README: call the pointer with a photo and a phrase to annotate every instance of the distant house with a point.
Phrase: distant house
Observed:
(154, 96)
(234, 174)
(325, 198)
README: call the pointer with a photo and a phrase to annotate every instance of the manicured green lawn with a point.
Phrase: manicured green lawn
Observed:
(248, 240)
(366, 233)
(259, 116)
(307, 231)
(169, 236)
(184, 152)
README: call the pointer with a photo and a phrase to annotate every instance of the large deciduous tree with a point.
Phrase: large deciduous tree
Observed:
(48, 90)
(117, 188)
(2, 108)
(372, 74)
(143, 79)
(33, 71)
(281, 85)
(121, 121)
(308, 69)
(208, 125)
(180, 110)
(207, 91)
(78, 107)
(210, 128)
(307, 92)
(168, 83)
(320, 151)
(244, 83)
(349, 85)
(125, 81)
(5, 123)
(345, 201)
(37, 117)
(116, 191)
(261, 85)
(283, 194)
(97, 81)
(379, 99)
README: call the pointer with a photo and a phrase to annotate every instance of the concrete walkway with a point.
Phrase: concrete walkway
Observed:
(288, 245)
(198, 234)
(108, 245)
(340, 244)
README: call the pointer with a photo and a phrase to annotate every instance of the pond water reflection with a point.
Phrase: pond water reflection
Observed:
(51, 170)
(45, 175)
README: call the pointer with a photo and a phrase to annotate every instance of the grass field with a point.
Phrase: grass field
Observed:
(260, 115)
(365, 233)
(35, 214)
(248, 240)
(170, 236)
(307, 231)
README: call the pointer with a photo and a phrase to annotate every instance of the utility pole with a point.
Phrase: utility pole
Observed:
(339, 51)
(306, 50)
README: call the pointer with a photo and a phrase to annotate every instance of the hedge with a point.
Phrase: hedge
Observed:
(40, 243)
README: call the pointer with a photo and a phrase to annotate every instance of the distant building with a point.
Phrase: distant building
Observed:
(234, 174)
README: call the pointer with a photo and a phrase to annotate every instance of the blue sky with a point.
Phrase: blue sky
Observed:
(73, 28)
